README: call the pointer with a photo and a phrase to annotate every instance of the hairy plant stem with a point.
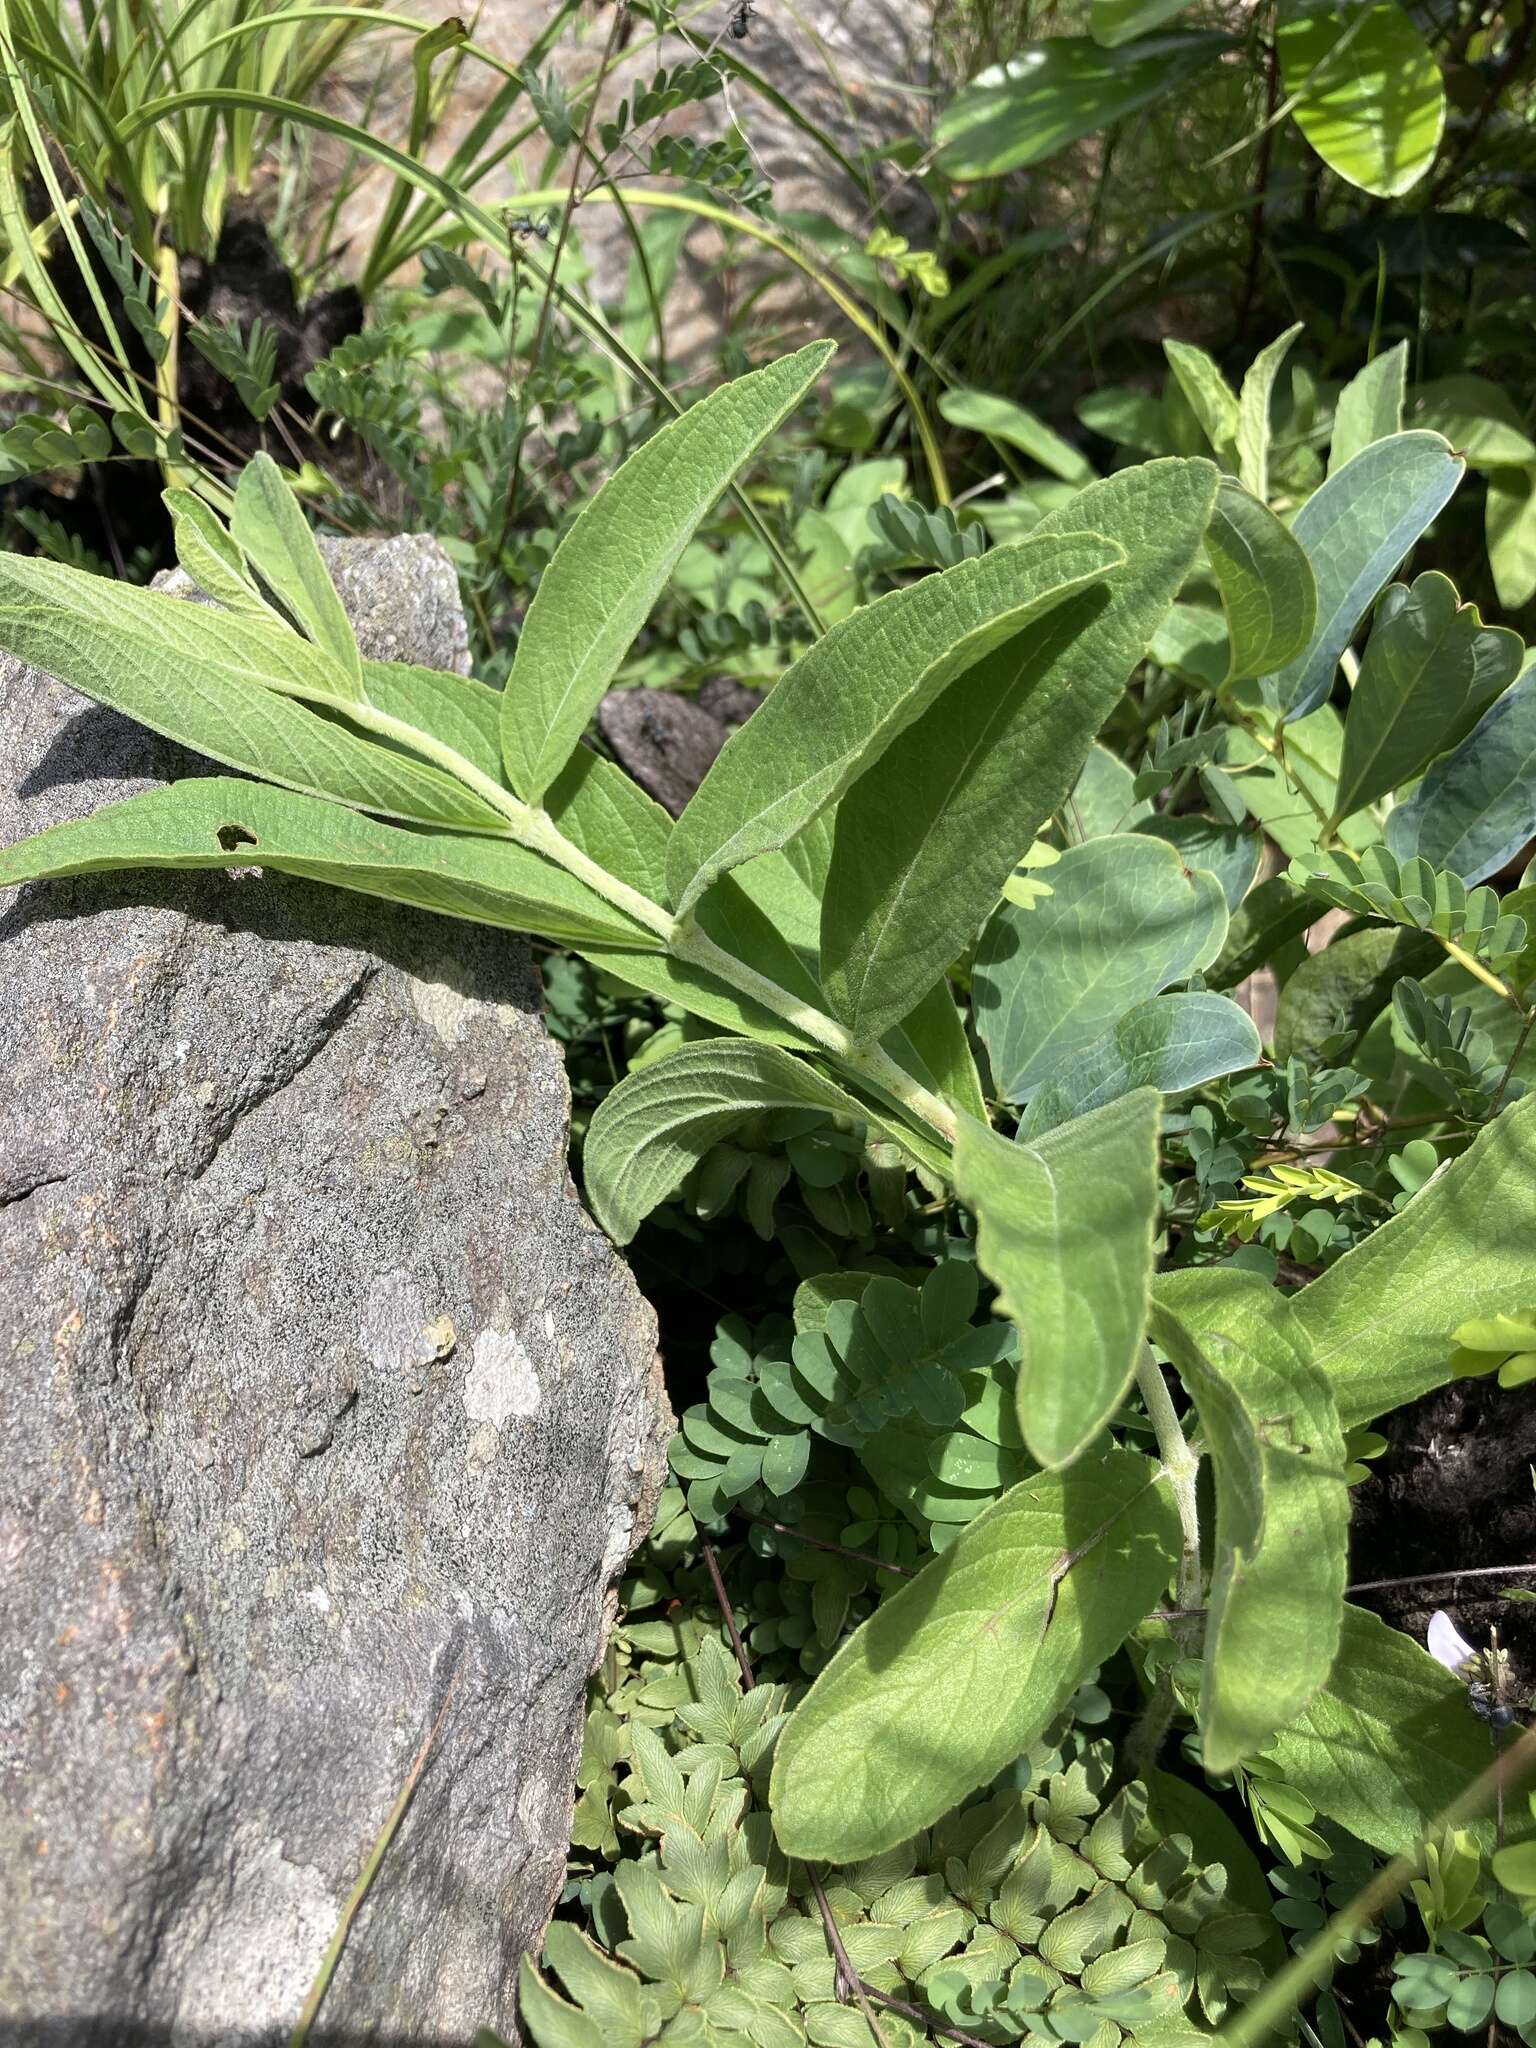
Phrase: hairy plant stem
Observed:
(681, 938)
(1181, 1462)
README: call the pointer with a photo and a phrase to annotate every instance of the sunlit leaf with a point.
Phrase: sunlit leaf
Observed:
(1064, 1228)
(226, 690)
(1371, 102)
(1511, 525)
(612, 565)
(214, 821)
(1370, 407)
(1253, 413)
(1053, 92)
(957, 1673)
(267, 524)
(1380, 1320)
(1282, 1505)
(833, 713)
(1003, 419)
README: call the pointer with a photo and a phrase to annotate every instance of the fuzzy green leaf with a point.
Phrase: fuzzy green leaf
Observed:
(1356, 529)
(663, 1118)
(843, 702)
(216, 564)
(1124, 919)
(926, 838)
(1370, 407)
(614, 562)
(1282, 1505)
(1380, 1322)
(1211, 398)
(1064, 1228)
(1268, 591)
(955, 1675)
(222, 687)
(1389, 1742)
(1253, 413)
(267, 524)
(213, 821)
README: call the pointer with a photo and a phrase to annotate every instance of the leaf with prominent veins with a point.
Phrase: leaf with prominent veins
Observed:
(226, 693)
(958, 1673)
(843, 702)
(211, 821)
(613, 564)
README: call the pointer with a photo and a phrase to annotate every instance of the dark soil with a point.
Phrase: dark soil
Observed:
(116, 508)
(1456, 1491)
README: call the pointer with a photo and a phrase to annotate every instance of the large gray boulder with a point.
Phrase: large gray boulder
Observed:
(327, 1420)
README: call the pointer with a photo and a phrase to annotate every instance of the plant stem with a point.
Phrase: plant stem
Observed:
(1182, 1465)
(681, 937)
(349, 1912)
(1514, 1061)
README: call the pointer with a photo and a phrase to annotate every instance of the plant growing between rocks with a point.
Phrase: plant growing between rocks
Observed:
(919, 812)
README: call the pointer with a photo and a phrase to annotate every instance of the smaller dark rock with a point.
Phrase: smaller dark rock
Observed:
(731, 702)
(666, 742)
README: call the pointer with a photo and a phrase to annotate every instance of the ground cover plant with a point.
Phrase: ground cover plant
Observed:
(1064, 1074)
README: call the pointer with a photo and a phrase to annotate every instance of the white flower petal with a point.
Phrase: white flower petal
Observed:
(1447, 1645)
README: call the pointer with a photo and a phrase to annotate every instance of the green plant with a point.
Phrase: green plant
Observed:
(849, 869)
(1051, 1909)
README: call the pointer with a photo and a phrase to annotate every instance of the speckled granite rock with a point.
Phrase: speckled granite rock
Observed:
(326, 1413)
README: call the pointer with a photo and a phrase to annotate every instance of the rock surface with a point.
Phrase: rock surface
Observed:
(328, 1421)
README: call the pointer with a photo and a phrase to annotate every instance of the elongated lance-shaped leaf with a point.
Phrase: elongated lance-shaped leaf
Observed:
(1370, 407)
(216, 564)
(1510, 526)
(1380, 1321)
(843, 702)
(224, 687)
(1125, 918)
(1253, 413)
(957, 1674)
(1430, 671)
(926, 838)
(661, 1120)
(1170, 1043)
(1211, 398)
(267, 524)
(611, 567)
(462, 713)
(1276, 1447)
(1356, 528)
(1389, 1742)
(213, 821)
(1268, 591)
(1064, 1227)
